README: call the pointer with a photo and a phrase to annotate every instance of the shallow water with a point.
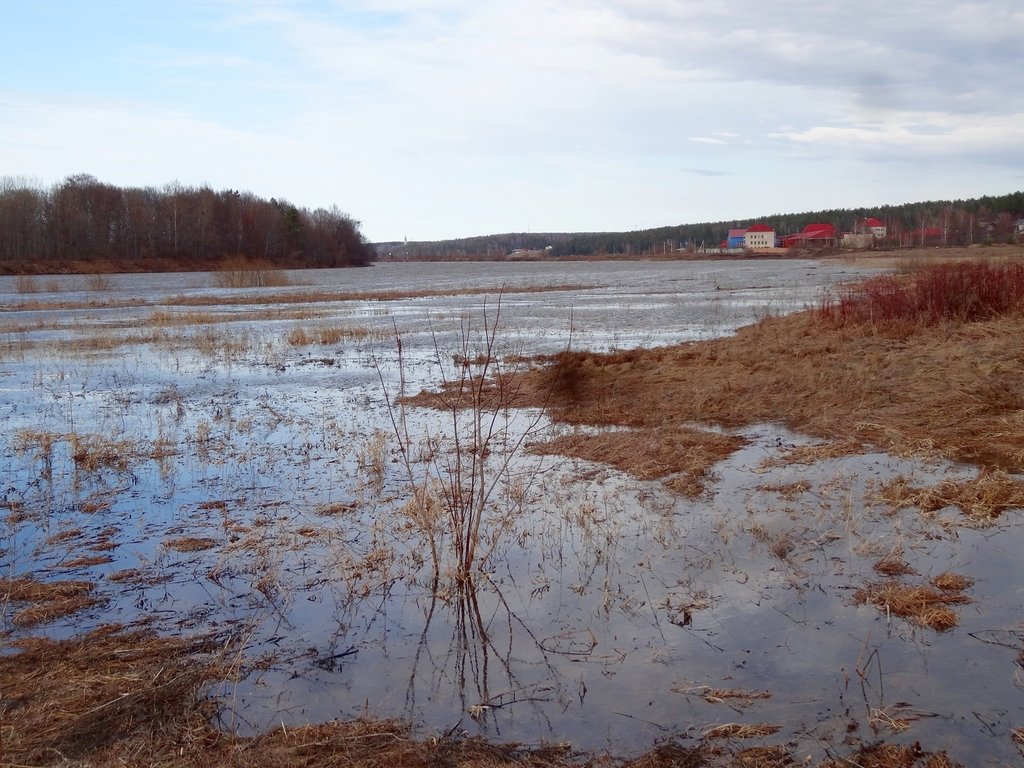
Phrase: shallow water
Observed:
(607, 606)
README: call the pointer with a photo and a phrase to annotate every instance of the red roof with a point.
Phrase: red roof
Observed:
(871, 221)
(819, 230)
(760, 228)
(736, 232)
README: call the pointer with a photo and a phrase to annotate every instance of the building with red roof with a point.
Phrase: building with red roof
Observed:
(873, 226)
(759, 236)
(812, 236)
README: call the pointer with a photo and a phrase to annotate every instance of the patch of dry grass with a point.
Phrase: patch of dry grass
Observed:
(191, 544)
(681, 456)
(892, 756)
(923, 605)
(982, 499)
(330, 335)
(48, 600)
(741, 731)
(87, 561)
(105, 693)
(788, 491)
(731, 696)
(93, 452)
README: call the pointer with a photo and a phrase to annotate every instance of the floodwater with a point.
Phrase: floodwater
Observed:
(607, 612)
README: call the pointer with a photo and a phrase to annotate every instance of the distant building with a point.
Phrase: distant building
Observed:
(759, 236)
(812, 236)
(736, 238)
(875, 227)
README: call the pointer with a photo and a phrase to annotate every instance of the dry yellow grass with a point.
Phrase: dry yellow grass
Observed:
(301, 336)
(683, 455)
(741, 730)
(983, 498)
(925, 606)
(191, 544)
(47, 600)
(86, 561)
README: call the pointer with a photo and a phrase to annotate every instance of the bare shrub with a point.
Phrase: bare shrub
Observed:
(26, 284)
(965, 291)
(241, 273)
(459, 485)
(98, 282)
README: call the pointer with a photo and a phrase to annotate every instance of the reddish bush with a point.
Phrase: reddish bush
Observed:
(965, 291)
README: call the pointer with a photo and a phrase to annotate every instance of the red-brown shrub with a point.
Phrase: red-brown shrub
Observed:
(966, 291)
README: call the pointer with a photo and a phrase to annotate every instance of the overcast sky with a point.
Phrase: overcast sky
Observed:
(432, 119)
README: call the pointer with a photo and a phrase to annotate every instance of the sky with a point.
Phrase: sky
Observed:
(434, 119)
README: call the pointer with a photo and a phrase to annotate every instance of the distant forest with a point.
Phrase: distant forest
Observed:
(83, 225)
(938, 222)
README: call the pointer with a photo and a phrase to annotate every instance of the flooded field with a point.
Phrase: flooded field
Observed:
(238, 463)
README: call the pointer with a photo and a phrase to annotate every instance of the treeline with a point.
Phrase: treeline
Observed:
(82, 224)
(939, 222)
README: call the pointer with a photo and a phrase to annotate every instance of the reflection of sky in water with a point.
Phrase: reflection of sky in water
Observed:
(578, 633)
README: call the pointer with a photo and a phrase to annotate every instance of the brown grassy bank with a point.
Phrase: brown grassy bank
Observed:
(921, 364)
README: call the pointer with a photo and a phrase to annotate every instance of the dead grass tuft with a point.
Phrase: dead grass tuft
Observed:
(87, 561)
(32, 590)
(922, 605)
(982, 499)
(681, 456)
(191, 544)
(330, 335)
(49, 600)
(741, 731)
(893, 565)
(788, 491)
(335, 508)
(93, 452)
(966, 291)
(51, 610)
(764, 757)
(892, 756)
(952, 582)
(731, 696)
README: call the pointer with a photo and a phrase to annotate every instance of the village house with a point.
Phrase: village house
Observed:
(759, 236)
(736, 238)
